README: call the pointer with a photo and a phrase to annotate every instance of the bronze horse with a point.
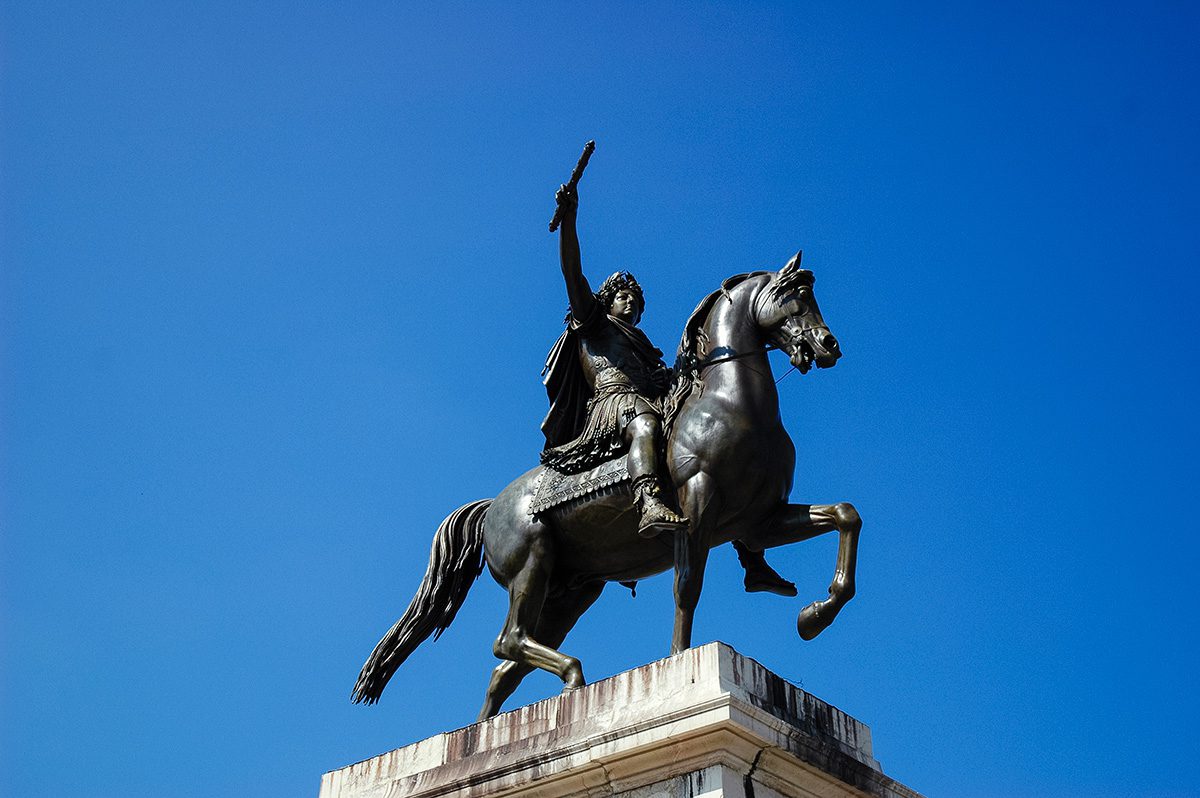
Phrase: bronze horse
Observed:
(731, 460)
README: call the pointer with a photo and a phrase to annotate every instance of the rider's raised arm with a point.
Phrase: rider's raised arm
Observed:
(583, 301)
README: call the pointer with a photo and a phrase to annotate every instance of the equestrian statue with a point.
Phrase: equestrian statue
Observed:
(645, 468)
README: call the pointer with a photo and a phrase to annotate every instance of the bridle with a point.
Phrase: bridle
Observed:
(752, 314)
(727, 358)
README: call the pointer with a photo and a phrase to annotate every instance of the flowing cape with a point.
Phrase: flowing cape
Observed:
(566, 385)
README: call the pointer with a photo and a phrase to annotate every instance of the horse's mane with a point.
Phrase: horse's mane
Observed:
(687, 358)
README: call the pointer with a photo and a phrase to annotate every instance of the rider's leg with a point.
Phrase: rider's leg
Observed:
(642, 435)
(761, 577)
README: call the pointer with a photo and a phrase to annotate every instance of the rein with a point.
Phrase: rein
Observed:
(752, 313)
(700, 369)
(702, 366)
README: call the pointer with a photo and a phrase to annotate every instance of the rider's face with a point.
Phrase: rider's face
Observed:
(625, 307)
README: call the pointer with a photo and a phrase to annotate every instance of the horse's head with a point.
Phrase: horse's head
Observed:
(787, 312)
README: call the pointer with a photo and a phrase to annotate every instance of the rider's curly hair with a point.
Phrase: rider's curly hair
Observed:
(621, 281)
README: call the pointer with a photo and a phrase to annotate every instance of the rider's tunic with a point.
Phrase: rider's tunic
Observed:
(600, 375)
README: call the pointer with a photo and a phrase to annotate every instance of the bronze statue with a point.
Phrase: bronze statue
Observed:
(622, 427)
(606, 382)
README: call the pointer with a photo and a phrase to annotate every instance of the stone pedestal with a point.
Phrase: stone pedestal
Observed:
(708, 722)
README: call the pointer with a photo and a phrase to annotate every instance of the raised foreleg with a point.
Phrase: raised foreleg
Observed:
(796, 522)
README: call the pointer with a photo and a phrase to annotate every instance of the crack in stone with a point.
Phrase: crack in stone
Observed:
(748, 779)
(607, 788)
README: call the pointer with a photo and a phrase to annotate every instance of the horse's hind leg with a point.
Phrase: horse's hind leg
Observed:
(559, 616)
(796, 522)
(505, 679)
(526, 594)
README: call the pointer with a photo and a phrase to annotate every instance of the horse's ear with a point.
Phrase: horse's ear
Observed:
(788, 277)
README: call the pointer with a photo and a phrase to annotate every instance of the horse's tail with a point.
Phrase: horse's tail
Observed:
(455, 560)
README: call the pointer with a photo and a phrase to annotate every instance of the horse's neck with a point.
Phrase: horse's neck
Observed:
(734, 337)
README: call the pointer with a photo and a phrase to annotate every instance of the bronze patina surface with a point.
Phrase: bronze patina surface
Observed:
(706, 459)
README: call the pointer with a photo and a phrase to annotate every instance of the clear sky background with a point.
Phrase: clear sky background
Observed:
(277, 286)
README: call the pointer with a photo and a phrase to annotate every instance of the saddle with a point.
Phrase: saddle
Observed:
(554, 488)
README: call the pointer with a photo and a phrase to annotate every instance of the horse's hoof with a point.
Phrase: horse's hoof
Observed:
(574, 678)
(809, 623)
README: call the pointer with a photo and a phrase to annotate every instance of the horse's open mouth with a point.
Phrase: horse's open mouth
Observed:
(807, 357)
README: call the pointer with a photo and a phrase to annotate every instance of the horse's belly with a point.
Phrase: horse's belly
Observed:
(597, 538)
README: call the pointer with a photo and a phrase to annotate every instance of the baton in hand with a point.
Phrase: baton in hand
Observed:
(588, 149)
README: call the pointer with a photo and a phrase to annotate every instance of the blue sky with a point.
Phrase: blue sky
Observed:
(275, 288)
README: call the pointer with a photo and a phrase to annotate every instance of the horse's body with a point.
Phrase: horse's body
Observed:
(730, 459)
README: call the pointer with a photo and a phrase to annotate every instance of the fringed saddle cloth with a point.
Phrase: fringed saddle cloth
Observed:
(554, 488)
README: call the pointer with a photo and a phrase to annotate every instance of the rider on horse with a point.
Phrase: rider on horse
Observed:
(606, 382)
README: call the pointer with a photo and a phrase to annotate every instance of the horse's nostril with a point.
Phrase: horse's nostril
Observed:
(829, 342)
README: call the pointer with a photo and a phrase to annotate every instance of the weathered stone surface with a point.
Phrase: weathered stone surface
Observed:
(707, 722)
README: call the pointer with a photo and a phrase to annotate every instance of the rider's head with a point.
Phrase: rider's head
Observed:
(622, 297)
